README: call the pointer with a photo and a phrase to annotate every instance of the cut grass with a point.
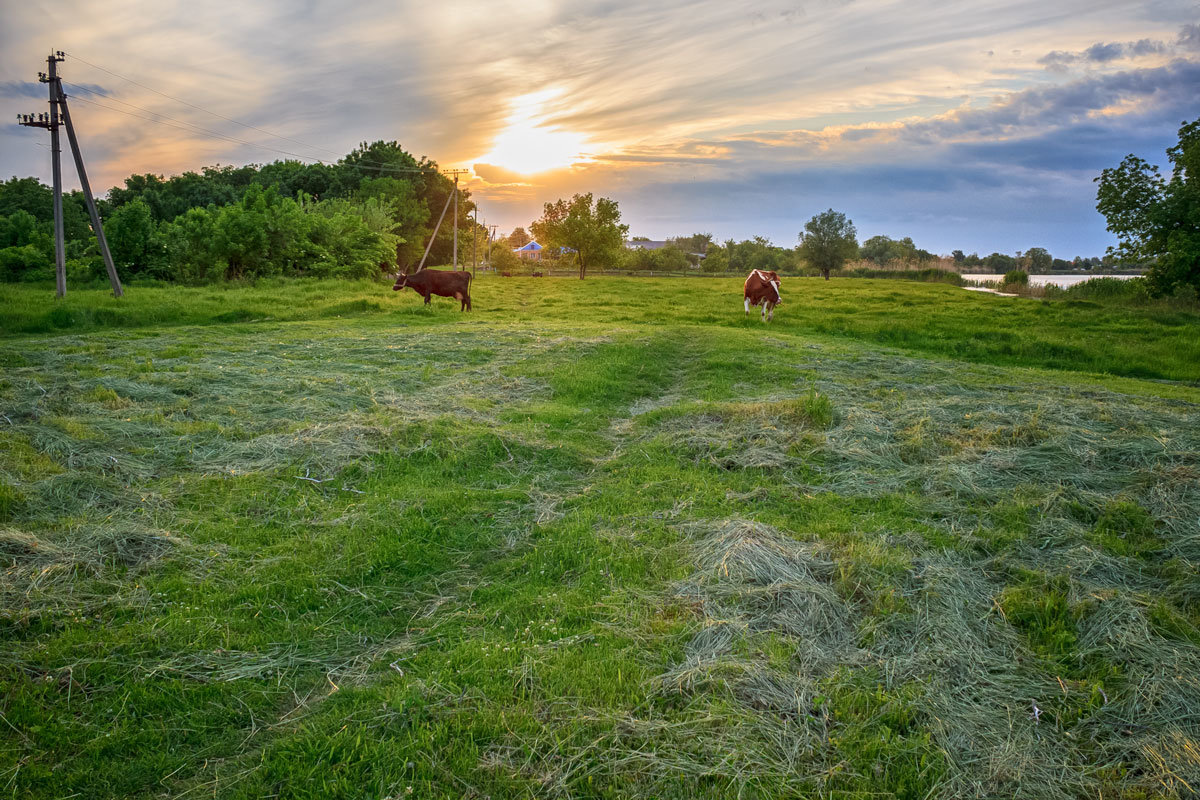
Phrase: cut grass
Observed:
(597, 552)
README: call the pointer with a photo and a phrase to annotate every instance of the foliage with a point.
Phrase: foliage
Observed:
(373, 209)
(930, 274)
(1035, 259)
(518, 238)
(828, 241)
(1156, 219)
(883, 250)
(1018, 277)
(747, 255)
(999, 262)
(503, 259)
(1104, 289)
(697, 243)
(592, 230)
(664, 259)
(130, 231)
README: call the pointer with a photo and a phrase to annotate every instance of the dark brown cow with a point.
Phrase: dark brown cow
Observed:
(429, 282)
(762, 289)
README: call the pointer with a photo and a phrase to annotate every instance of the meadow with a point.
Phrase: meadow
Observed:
(597, 539)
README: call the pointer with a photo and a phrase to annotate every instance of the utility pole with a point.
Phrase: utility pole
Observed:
(58, 102)
(113, 280)
(456, 173)
(491, 240)
(475, 241)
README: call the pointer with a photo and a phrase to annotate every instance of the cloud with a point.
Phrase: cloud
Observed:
(1189, 37)
(1105, 52)
(908, 112)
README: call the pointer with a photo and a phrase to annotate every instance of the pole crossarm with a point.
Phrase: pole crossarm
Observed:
(60, 116)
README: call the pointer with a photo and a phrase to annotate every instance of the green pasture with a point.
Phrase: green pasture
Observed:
(597, 539)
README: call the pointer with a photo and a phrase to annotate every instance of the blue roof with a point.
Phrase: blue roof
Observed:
(530, 246)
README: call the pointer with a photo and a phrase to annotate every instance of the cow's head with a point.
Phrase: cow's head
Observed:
(401, 282)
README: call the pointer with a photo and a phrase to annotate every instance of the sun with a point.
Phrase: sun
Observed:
(528, 144)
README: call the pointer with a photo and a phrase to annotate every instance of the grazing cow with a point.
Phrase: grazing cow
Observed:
(762, 289)
(429, 282)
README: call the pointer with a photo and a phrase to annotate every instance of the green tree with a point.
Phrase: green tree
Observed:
(1156, 220)
(502, 258)
(999, 262)
(593, 230)
(1037, 259)
(828, 240)
(130, 233)
(29, 195)
(518, 238)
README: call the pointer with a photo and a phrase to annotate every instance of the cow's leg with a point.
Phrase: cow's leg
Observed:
(428, 297)
(771, 313)
(763, 316)
(747, 306)
(468, 299)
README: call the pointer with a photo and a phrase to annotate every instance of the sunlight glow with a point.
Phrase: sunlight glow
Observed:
(527, 145)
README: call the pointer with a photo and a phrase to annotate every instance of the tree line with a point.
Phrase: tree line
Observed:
(830, 235)
(372, 211)
(375, 209)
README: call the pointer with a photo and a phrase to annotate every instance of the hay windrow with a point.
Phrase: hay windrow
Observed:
(103, 454)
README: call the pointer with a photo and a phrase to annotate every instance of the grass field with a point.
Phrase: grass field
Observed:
(597, 539)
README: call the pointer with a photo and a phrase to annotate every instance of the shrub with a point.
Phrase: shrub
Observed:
(1113, 290)
(1017, 276)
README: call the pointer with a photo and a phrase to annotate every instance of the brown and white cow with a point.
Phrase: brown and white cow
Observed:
(429, 282)
(762, 289)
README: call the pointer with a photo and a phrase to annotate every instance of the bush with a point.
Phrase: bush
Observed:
(503, 259)
(1017, 276)
(1112, 290)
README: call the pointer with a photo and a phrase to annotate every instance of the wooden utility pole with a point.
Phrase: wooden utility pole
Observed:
(433, 236)
(93, 212)
(58, 102)
(475, 241)
(456, 173)
(60, 257)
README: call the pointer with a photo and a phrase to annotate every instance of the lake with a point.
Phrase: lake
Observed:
(1044, 280)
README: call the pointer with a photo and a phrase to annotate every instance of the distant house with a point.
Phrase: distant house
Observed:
(530, 252)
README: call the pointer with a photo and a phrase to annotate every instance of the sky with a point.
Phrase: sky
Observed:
(977, 126)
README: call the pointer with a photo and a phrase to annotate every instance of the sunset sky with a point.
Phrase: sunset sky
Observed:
(977, 126)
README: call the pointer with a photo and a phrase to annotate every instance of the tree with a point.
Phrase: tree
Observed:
(1037, 259)
(592, 230)
(518, 238)
(130, 231)
(828, 240)
(1157, 221)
